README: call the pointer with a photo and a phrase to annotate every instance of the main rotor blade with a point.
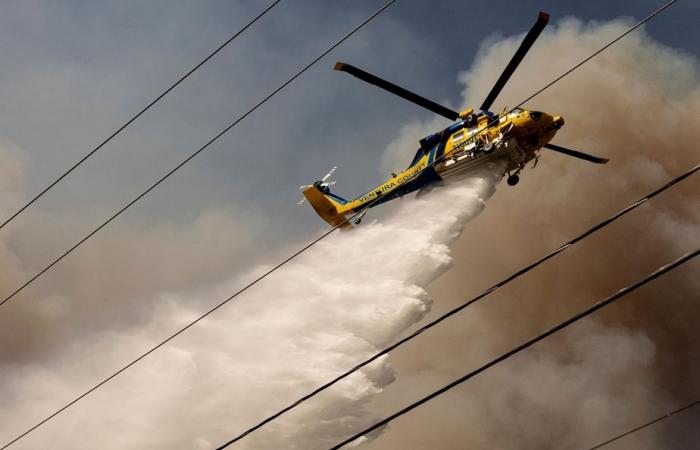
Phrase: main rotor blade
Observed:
(530, 38)
(576, 154)
(398, 90)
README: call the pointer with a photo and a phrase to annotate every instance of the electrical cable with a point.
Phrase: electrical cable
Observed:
(575, 318)
(260, 278)
(464, 305)
(274, 268)
(496, 286)
(141, 112)
(193, 155)
(648, 424)
(382, 195)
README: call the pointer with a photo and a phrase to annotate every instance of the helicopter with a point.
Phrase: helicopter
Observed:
(475, 139)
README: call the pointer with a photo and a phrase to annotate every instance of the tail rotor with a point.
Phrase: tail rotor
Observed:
(323, 184)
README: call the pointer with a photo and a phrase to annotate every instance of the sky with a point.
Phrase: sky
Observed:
(75, 71)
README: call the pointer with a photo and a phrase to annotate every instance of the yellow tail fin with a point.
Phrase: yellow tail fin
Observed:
(326, 207)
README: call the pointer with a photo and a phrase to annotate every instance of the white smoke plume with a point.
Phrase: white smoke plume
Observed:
(332, 307)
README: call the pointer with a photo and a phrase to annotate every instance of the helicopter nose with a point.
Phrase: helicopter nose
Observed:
(558, 122)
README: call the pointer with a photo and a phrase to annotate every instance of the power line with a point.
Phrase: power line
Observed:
(219, 305)
(648, 424)
(463, 306)
(513, 276)
(130, 121)
(273, 269)
(193, 155)
(600, 304)
(379, 197)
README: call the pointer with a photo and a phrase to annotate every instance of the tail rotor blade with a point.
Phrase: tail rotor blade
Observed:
(530, 39)
(330, 172)
(576, 154)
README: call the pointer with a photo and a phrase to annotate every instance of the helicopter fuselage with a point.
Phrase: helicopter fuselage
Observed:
(473, 141)
(463, 146)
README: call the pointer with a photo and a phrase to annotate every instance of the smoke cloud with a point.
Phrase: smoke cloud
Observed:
(355, 292)
(638, 104)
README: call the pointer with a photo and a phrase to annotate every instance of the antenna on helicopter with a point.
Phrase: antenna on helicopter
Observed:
(323, 184)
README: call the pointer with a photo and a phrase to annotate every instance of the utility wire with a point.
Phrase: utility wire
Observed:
(130, 121)
(382, 195)
(193, 155)
(254, 282)
(592, 230)
(648, 424)
(600, 304)
(463, 306)
(496, 286)
(273, 269)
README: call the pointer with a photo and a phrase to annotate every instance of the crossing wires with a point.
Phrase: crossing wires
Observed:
(139, 114)
(465, 305)
(222, 303)
(285, 261)
(285, 84)
(575, 318)
(193, 155)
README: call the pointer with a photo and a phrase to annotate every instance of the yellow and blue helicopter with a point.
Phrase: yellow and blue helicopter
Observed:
(473, 140)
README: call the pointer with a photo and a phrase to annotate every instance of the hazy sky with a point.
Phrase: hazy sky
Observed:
(73, 71)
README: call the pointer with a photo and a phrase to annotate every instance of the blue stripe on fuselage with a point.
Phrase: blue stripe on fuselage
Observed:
(431, 155)
(340, 200)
